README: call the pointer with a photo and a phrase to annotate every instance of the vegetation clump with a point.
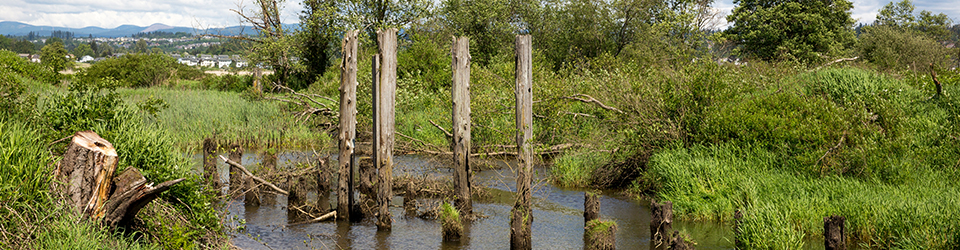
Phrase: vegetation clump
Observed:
(451, 222)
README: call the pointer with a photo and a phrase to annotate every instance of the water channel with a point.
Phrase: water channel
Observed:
(558, 216)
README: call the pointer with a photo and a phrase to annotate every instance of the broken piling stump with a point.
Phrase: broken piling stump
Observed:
(661, 220)
(591, 207)
(210, 162)
(236, 178)
(833, 233)
(600, 235)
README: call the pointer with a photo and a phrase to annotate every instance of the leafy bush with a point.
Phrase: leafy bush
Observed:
(232, 83)
(24, 68)
(894, 48)
(139, 70)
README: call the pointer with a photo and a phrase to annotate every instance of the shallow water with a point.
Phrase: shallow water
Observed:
(557, 224)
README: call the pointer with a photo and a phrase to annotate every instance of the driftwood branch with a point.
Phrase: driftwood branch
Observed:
(589, 99)
(318, 219)
(445, 132)
(258, 179)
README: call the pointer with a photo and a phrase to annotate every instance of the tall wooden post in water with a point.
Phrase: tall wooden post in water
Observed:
(348, 123)
(460, 53)
(386, 93)
(521, 216)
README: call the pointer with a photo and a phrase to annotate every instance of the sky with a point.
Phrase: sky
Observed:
(216, 13)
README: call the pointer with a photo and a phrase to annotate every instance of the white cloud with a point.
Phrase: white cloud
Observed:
(113, 13)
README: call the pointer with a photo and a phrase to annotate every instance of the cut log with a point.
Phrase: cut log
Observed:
(87, 170)
(132, 194)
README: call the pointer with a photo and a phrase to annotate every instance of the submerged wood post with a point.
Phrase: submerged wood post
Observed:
(833, 233)
(460, 54)
(521, 216)
(387, 86)
(348, 124)
(210, 162)
(236, 178)
(323, 185)
(661, 220)
(591, 207)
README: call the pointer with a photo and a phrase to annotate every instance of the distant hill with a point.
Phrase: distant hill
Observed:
(21, 29)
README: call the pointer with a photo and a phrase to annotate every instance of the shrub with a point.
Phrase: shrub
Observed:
(895, 48)
(139, 70)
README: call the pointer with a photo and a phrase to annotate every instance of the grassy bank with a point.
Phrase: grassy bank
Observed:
(37, 116)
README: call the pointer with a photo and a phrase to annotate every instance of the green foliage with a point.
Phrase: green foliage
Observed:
(83, 49)
(26, 69)
(898, 49)
(139, 70)
(803, 31)
(54, 56)
(70, 231)
(228, 82)
(900, 15)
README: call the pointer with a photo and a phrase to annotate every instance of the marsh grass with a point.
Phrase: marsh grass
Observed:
(193, 115)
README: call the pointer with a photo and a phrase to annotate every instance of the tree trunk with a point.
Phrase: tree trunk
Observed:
(460, 53)
(521, 216)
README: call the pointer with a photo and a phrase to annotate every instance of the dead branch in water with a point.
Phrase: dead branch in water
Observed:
(258, 179)
(318, 219)
(589, 99)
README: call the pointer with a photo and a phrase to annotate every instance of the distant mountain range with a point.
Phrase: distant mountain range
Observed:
(21, 29)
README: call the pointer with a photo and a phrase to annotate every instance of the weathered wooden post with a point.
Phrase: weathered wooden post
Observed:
(236, 177)
(521, 216)
(833, 233)
(251, 196)
(387, 86)
(348, 123)
(210, 162)
(591, 207)
(661, 220)
(460, 53)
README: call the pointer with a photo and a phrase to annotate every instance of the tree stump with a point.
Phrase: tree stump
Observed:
(410, 200)
(661, 220)
(833, 233)
(87, 170)
(591, 207)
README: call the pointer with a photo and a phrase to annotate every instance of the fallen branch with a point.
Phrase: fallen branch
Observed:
(445, 132)
(318, 219)
(589, 99)
(247, 172)
(835, 147)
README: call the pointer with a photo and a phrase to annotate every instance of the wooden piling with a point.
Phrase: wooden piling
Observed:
(521, 215)
(661, 220)
(348, 124)
(252, 193)
(460, 53)
(323, 185)
(591, 207)
(236, 177)
(297, 197)
(210, 162)
(833, 233)
(387, 85)
(600, 235)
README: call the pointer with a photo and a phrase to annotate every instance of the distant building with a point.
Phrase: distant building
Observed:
(223, 61)
(207, 60)
(86, 59)
(240, 62)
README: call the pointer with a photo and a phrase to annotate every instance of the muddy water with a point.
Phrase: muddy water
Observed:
(558, 218)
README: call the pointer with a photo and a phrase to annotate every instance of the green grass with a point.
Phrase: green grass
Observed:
(193, 115)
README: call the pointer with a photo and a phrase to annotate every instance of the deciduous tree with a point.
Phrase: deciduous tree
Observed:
(807, 31)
